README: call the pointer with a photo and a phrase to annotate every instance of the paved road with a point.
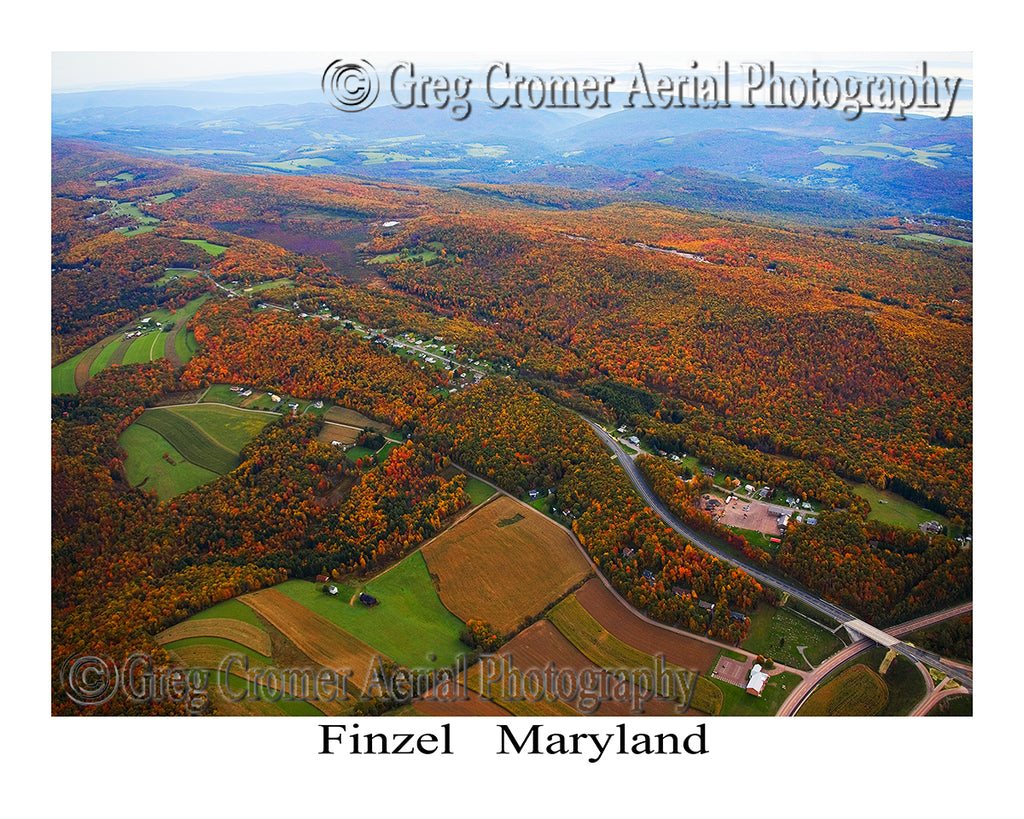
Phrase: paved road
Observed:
(851, 622)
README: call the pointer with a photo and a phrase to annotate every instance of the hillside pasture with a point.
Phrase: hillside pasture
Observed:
(232, 429)
(409, 625)
(492, 566)
(147, 469)
(190, 440)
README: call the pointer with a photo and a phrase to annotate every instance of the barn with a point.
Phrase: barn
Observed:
(368, 599)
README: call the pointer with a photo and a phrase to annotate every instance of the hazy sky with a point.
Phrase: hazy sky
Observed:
(95, 70)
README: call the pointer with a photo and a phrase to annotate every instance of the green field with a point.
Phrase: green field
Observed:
(934, 239)
(230, 428)
(175, 273)
(222, 394)
(147, 469)
(203, 442)
(409, 625)
(887, 507)
(209, 247)
(102, 361)
(256, 288)
(230, 610)
(185, 345)
(190, 440)
(477, 490)
(777, 633)
(62, 377)
(147, 347)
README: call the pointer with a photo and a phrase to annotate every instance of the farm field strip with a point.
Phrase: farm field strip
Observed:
(191, 441)
(623, 623)
(543, 645)
(599, 646)
(319, 639)
(242, 633)
(503, 563)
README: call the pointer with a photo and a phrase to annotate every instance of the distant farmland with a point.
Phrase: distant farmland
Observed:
(178, 346)
(504, 563)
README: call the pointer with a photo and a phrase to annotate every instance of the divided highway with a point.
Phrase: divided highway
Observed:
(851, 622)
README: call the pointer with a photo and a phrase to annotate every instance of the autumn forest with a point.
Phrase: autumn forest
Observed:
(826, 362)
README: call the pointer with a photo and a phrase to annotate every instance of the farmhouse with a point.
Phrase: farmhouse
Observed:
(755, 685)
(930, 527)
(332, 590)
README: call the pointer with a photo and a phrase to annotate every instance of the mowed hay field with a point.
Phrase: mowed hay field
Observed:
(319, 639)
(503, 563)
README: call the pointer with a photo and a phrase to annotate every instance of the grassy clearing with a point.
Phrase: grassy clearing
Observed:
(185, 345)
(777, 633)
(209, 247)
(190, 440)
(172, 273)
(934, 239)
(222, 394)
(478, 491)
(229, 610)
(147, 469)
(887, 507)
(410, 624)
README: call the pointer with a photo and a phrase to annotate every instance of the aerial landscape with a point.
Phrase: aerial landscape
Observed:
(510, 411)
